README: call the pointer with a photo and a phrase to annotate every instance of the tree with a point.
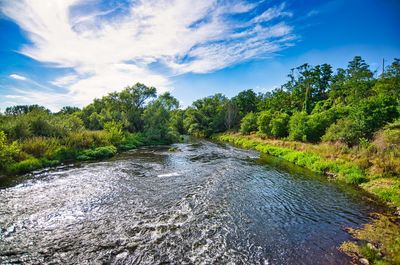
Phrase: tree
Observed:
(207, 116)
(156, 118)
(232, 116)
(246, 101)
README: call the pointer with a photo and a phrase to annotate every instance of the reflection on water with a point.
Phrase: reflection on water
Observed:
(205, 204)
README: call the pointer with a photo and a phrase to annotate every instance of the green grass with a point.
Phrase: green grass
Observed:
(345, 170)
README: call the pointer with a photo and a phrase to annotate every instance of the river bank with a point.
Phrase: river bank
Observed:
(378, 241)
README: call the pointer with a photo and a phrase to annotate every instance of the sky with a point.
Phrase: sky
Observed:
(68, 52)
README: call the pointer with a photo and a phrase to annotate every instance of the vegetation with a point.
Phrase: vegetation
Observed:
(31, 137)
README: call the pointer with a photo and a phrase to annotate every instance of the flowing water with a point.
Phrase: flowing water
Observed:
(207, 203)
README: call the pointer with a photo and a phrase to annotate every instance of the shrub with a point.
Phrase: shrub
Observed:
(374, 112)
(317, 124)
(279, 125)
(298, 126)
(97, 153)
(248, 123)
(115, 133)
(263, 122)
(40, 146)
(87, 139)
(24, 166)
(132, 140)
(8, 152)
(344, 130)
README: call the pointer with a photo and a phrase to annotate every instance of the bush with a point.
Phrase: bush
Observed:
(374, 112)
(8, 152)
(280, 125)
(132, 140)
(87, 139)
(263, 122)
(115, 133)
(40, 146)
(298, 126)
(248, 123)
(97, 153)
(344, 130)
(24, 166)
(317, 124)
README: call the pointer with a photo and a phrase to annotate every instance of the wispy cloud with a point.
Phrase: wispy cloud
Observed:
(107, 52)
(17, 77)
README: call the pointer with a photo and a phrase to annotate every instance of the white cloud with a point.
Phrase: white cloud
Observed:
(273, 12)
(108, 52)
(65, 80)
(18, 77)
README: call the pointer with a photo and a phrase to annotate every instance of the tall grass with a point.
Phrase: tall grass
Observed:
(344, 170)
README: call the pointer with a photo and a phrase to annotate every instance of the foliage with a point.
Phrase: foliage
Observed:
(279, 125)
(40, 146)
(264, 121)
(131, 141)
(347, 171)
(298, 126)
(114, 130)
(206, 116)
(8, 151)
(87, 139)
(249, 123)
(344, 130)
(97, 153)
(157, 117)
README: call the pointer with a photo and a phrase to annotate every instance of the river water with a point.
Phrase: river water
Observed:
(207, 203)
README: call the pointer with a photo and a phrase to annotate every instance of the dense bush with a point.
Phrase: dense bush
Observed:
(298, 126)
(40, 146)
(132, 140)
(24, 166)
(344, 130)
(374, 112)
(115, 134)
(97, 153)
(249, 123)
(280, 125)
(87, 139)
(8, 151)
(264, 122)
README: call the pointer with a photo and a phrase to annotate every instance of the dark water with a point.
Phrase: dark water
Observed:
(205, 204)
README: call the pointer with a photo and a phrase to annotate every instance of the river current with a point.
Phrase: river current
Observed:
(206, 203)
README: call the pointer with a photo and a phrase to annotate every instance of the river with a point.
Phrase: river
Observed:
(206, 203)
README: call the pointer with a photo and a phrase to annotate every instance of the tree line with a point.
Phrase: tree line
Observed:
(315, 104)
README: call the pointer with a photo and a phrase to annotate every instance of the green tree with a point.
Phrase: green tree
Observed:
(157, 119)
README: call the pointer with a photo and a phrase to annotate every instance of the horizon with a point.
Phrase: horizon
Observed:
(67, 53)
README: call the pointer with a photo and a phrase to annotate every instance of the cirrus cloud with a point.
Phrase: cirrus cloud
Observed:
(144, 41)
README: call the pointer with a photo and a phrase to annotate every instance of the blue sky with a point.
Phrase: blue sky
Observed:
(68, 52)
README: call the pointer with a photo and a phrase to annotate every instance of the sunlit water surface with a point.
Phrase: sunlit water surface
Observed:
(204, 204)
